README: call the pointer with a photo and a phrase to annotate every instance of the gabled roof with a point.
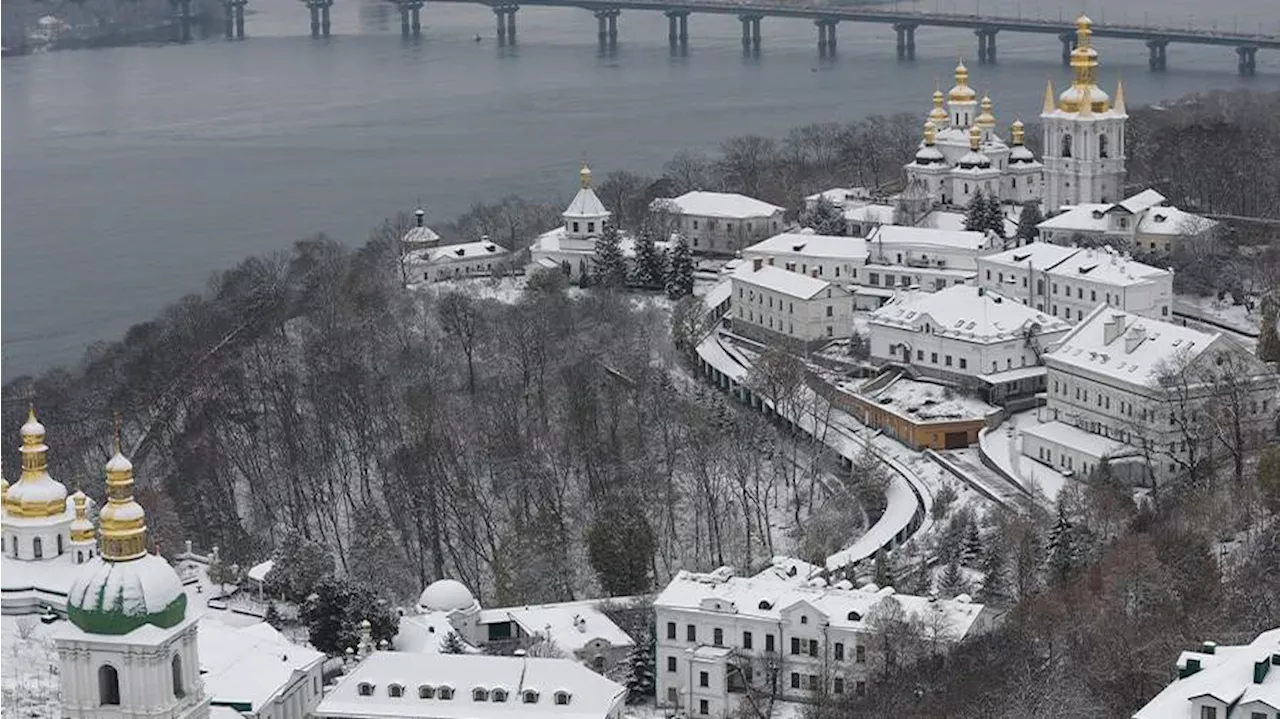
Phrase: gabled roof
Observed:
(586, 205)
(248, 665)
(792, 284)
(1142, 201)
(1228, 675)
(725, 205)
(1099, 265)
(1139, 350)
(570, 625)
(954, 239)
(966, 313)
(808, 244)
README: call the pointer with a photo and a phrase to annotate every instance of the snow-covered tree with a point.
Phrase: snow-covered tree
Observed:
(952, 582)
(335, 610)
(651, 264)
(298, 564)
(620, 545)
(884, 574)
(640, 670)
(1063, 550)
(1268, 339)
(975, 214)
(375, 559)
(1027, 221)
(609, 264)
(994, 216)
(452, 644)
(971, 551)
(221, 572)
(680, 271)
(825, 218)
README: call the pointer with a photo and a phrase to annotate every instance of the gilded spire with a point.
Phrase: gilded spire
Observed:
(35, 495)
(584, 175)
(82, 530)
(962, 92)
(986, 120)
(930, 133)
(938, 115)
(1118, 106)
(124, 523)
(975, 138)
(1017, 132)
(1049, 105)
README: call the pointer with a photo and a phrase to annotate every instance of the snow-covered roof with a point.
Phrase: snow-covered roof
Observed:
(1228, 674)
(591, 696)
(768, 594)
(966, 313)
(1103, 264)
(420, 234)
(249, 665)
(807, 244)
(726, 205)
(446, 595)
(453, 253)
(1172, 221)
(776, 279)
(1127, 347)
(259, 571)
(1094, 445)
(955, 239)
(718, 294)
(1085, 217)
(41, 577)
(1140, 202)
(585, 204)
(882, 214)
(1154, 217)
(838, 196)
(569, 625)
(425, 633)
(929, 401)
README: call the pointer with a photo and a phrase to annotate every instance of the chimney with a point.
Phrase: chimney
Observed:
(419, 216)
(813, 272)
(1209, 647)
(756, 264)
(1134, 337)
(1112, 328)
(1260, 669)
(1192, 666)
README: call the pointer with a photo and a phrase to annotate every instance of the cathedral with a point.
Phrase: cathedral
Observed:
(962, 154)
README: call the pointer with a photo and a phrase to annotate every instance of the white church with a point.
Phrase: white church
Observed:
(962, 153)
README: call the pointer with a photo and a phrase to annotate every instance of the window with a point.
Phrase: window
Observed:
(445, 693)
(804, 619)
(813, 647)
(1102, 146)
(691, 633)
(365, 689)
(1093, 295)
(703, 707)
(933, 358)
(695, 224)
(1208, 713)
(746, 640)
(948, 360)
(839, 651)
(426, 692)
(860, 654)
(37, 548)
(591, 227)
(795, 680)
(813, 682)
(860, 689)
(500, 695)
(479, 694)
(108, 686)
(704, 679)
(671, 630)
(964, 363)
(1066, 145)
(671, 664)
(837, 685)
(829, 311)
(176, 667)
(59, 545)
(562, 698)
(717, 637)
(795, 645)
(529, 696)
(575, 226)
(768, 639)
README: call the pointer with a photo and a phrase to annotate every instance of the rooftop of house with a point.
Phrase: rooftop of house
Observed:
(1246, 678)
(725, 205)
(1128, 347)
(569, 625)
(838, 196)
(807, 243)
(966, 313)
(454, 253)
(1103, 264)
(586, 204)
(928, 401)
(776, 279)
(782, 587)
(1154, 216)
(248, 665)
(425, 633)
(589, 695)
(930, 237)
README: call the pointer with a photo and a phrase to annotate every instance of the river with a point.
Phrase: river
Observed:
(130, 174)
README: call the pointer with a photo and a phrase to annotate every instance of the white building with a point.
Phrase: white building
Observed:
(471, 686)
(572, 246)
(720, 223)
(772, 304)
(782, 633)
(927, 258)
(1084, 141)
(1109, 379)
(837, 259)
(469, 259)
(962, 155)
(257, 672)
(1145, 221)
(1069, 282)
(1221, 682)
(419, 236)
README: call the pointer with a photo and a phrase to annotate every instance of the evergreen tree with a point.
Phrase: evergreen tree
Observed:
(1062, 545)
(971, 551)
(952, 583)
(299, 563)
(996, 583)
(336, 608)
(1027, 221)
(825, 218)
(610, 267)
(273, 617)
(1268, 339)
(680, 271)
(221, 572)
(620, 546)
(975, 214)
(651, 264)
(1269, 478)
(375, 559)
(452, 644)
(884, 574)
(994, 216)
(640, 670)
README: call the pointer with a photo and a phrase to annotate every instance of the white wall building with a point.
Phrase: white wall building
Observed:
(927, 258)
(773, 304)
(837, 259)
(448, 262)
(471, 686)
(1222, 682)
(781, 633)
(967, 335)
(1105, 382)
(1084, 141)
(1069, 282)
(572, 246)
(1145, 221)
(721, 223)
(257, 672)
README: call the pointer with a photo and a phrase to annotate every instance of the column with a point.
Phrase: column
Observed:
(511, 23)
(831, 36)
(502, 24)
(822, 37)
(911, 42)
(229, 20)
(755, 32)
(404, 19)
(324, 17)
(613, 28)
(184, 20)
(315, 18)
(746, 32)
(602, 30)
(240, 19)
(1068, 44)
(684, 29)
(1157, 60)
(902, 41)
(991, 46)
(1248, 60)
(673, 34)
(415, 19)
(982, 45)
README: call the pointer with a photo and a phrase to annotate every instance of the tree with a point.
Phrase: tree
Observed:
(680, 272)
(462, 321)
(1063, 553)
(689, 323)
(640, 670)
(975, 215)
(1269, 478)
(1027, 222)
(298, 564)
(952, 582)
(971, 552)
(335, 610)
(824, 218)
(994, 216)
(620, 546)
(884, 574)
(651, 264)
(221, 572)
(609, 265)
(452, 644)
(995, 584)
(1268, 339)
(375, 559)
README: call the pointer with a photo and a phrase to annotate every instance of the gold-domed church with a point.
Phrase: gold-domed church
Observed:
(962, 152)
(1083, 133)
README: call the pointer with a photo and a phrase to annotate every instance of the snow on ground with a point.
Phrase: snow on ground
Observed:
(925, 400)
(1221, 311)
(28, 668)
(1004, 448)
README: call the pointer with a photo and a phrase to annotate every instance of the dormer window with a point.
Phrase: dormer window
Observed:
(804, 619)
(395, 691)
(426, 692)
(575, 226)
(445, 693)
(854, 617)
(765, 605)
(562, 698)
(499, 695)
(529, 697)
(479, 694)
(591, 227)
(365, 689)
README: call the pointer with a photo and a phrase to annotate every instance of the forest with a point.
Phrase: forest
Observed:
(553, 445)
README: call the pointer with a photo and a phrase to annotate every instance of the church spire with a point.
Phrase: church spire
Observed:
(1049, 105)
(584, 175)
(35, 495)
(938, 115)
(1118, 106)
(124, 522)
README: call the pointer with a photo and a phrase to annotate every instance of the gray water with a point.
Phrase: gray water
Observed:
(130, 174)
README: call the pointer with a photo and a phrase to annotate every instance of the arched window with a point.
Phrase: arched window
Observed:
(499, 695)
(176, 667)
(1102, 145)
(426, 692)
(445, 693)
(562, 698)
(395, 691)
(597, 662)
(37, 548)
(480, 694)
(529, 697)
(365, 689)
(108, 686)
(1066, 145)
(854, 617)
(59, 545)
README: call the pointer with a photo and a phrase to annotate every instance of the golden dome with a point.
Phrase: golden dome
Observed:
(962, 92)
(36, 495)
(124, 522)
(82, 530)
(938, 115)
(1084, 68)
(986, 120)
(1017, 132)
(975, 138)
(584, 175)
(930, 133)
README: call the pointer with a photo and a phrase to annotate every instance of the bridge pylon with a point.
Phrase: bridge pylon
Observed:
(233, 20)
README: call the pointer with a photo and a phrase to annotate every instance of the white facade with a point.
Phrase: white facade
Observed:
(471, 259)
(721, 223)
(149, 672)
(926, 258)
(961, 153)
(782, 633)
(572, 246)
(790, 305)
(966, 332)
(1069, 282)
(836, 259)
(1144, 221)
(257, 671)
(1104, 380)
(1084, 142)
(1221, 682)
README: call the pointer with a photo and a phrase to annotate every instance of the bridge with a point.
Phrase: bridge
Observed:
(825, 18)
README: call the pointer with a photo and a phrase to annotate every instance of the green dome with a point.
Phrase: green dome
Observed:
(117, 597)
